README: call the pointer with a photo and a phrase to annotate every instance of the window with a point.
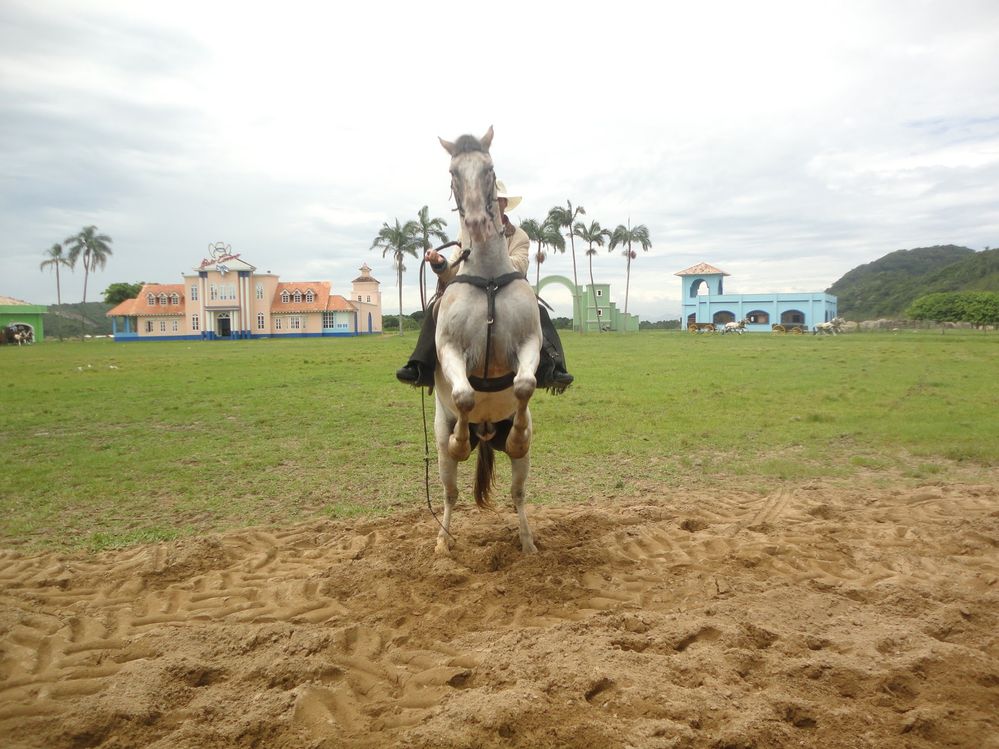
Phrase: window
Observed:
(329, 319)
(298, 296)
(151, 299)
(194, 292)
(195, 323)
(260, 291)
(175, 298)
(600, 292)
(149, 326)
(213, 292)
(163, 299)
(277, 323)
(229, 292)
(309, 296)
(369, 298)
(359, 298)
(163, 326)
(175, 326)
(296, 323)
(600, 312)
(285, 297)
(260, 321)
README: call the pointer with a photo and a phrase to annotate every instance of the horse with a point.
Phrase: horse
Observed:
(488, 342)
(735, 327)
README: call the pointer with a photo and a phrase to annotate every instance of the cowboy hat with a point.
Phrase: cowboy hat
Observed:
(512, 201)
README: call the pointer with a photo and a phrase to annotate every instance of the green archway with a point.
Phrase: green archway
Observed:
(573, 290)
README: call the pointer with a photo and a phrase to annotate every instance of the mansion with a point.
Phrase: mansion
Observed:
(225, 298)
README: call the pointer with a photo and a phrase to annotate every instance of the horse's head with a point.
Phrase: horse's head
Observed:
(473, 183)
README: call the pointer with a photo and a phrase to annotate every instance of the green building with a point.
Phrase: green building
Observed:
(20, 317)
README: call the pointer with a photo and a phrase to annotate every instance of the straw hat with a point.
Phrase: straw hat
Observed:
(512, 201)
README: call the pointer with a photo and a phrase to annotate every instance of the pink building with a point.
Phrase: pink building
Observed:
(225, 297)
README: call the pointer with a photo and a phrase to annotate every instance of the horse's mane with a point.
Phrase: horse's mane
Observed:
(467, 144)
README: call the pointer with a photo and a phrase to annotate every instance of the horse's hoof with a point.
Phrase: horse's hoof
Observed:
(527, 546)
(458, 450)
(443, 548)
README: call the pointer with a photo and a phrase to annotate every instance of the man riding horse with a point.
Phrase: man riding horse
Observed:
(551, 374)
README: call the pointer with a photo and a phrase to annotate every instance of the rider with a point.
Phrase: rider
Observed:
(551, 372)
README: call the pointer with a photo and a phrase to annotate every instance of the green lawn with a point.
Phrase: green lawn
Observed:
(110, 444)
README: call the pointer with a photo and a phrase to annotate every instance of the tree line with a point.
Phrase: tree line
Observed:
(415, 237)
(980, 308)
(89, 247)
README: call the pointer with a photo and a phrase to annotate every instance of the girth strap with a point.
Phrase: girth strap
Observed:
(490, 286)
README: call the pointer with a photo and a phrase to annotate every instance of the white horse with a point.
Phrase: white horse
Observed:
(833, 327)
(488, 346)
(735, 327)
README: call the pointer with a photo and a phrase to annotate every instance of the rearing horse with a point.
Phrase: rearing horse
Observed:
(488, 345)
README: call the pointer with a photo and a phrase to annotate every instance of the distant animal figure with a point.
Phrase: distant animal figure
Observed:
(488, 346)
(735, 327)
(701, 327)
(833, 327)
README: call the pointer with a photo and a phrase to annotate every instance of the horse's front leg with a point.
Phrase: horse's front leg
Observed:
(452, 364)
(520, 467)
(518, 442)
(448, 468)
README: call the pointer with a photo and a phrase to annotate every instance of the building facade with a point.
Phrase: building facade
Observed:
(18, 317)
(226, 298)
(704, 301)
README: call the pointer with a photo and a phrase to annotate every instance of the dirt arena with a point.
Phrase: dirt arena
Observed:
(812, 617)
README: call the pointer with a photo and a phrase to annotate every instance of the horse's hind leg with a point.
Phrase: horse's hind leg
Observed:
(520, 467)
(448, 468)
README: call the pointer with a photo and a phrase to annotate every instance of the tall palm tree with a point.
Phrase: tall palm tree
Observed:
(429, 228)
(626, 236)
(55, 258)
(93, 249)
(594, 235)
(564, 218)
(546, 235)
(400, 240)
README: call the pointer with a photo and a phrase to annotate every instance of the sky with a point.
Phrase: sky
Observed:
(783, 142)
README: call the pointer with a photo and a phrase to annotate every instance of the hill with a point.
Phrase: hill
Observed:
(887, 286)
(64, 320)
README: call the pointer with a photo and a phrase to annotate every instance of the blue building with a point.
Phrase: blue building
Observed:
(704, 301)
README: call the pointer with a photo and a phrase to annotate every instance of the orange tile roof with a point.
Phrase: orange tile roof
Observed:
(339, 304)
(140, 305)
(699, 270)
(320, 290)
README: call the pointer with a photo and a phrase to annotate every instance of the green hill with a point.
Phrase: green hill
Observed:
(887, 286)
(64, 320)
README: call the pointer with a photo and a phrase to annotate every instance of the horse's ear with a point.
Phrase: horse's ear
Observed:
(448, 145)
(487, 139)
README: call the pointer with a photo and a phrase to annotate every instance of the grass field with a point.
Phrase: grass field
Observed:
(106, 445)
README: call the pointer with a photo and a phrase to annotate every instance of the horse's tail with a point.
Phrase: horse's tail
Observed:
(484, 478)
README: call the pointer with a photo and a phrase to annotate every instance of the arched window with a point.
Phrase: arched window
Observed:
(175, 298)
(285, 297)
(260, 321)
(722, 317)
(163, 299)
(759, 317)
(151, 300)
(195, 322)
(298, 296)
(309, 296)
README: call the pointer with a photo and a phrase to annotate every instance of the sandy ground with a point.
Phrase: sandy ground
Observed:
(811, 617)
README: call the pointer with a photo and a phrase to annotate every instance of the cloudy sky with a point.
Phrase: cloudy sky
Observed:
(784, 142)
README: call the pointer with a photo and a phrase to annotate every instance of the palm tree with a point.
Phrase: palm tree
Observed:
(564, 218)
(429, 228)
(546, 235)
(94, 249)
(400, 240)
(594, 235)
(55, 259)
(625, 235)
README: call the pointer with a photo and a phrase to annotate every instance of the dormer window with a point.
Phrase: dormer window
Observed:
(151, 300)
(285, 297)
(174, 298)
(163, 299)
(298, 296)
(309, 296)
